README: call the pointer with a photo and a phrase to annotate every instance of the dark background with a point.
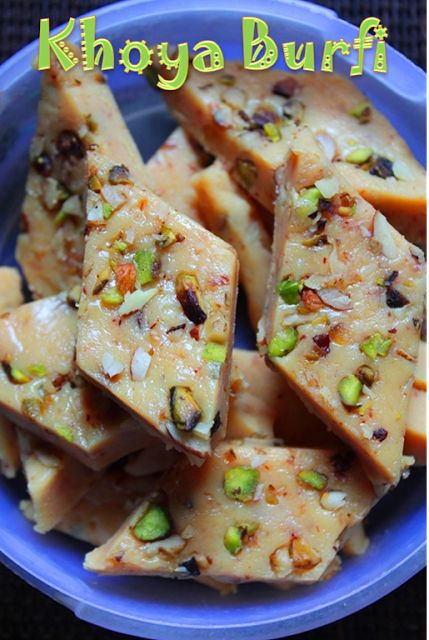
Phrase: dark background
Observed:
(26, 614)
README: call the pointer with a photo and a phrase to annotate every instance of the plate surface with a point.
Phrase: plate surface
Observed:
(161, 609)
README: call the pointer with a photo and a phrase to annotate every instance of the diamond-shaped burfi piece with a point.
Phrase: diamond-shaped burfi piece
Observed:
(156, 315)
(76, 109)
(248, 118)
(231, 214)
(344, 308)
(250, 513)
(170, 170)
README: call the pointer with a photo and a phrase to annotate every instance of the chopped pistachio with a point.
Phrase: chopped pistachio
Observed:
(235, 537)
(102, 279)
(362, 112)
(350, 388)
(112, 298)
(272, 132)
(60, 217)
(232, 540)
(313, 479)
(246, 172)
(107, 210)
(215, 352)
(185, 411)
(14, 374)
(37, 370)
(65, 432)
(283, 343)
(366, 375)
(145, 261)
(346, 211)
(154, 525)
(360, 155)
(120, 245)
(240, 483)
(189, 295)
(168, 237)
(375, 346)
(307, 202)
(289, 291)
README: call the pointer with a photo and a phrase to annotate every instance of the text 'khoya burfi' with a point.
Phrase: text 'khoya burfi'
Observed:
(156, 315)
(344, 308)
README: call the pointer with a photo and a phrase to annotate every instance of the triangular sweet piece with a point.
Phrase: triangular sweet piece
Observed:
(247, 119)
(76, 110)
(250, 513)
(41, 390)
(157, 311)
(170, 170)
(55, 481)
(344, 308)
(231, 214)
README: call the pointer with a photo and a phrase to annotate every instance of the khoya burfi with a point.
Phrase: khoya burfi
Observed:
(10, 298)
(231, 214)
(55, 480)
(344, 308)
(170, 170)
(247, 120)
(156, 314)
(41, 389)
(250, 513)
(76, 109)
(262, 404)
(103, 508)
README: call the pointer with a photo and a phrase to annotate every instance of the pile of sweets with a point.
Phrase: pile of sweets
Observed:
(139, 427)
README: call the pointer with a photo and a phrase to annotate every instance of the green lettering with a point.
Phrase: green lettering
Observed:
(180, 62)
(89, 43)
(56, 44)
(210, 58)
(329, 50)
(255, 44)
(144, 55)
(363, 42)
(296, 59)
